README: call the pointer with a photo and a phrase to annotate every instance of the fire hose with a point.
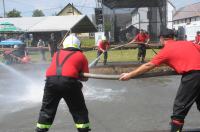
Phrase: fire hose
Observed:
(116, 77)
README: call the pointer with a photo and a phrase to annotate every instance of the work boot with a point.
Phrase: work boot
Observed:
(142, 61)
(138, 59)
(84, 129)
(104, 62)
(41, 130)
(176, 125)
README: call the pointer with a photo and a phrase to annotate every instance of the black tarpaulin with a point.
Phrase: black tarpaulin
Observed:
(84, 26)
(132, 3)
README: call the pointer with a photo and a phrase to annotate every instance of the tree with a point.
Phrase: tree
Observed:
(37, 13)
(14, 13)
(107, 26)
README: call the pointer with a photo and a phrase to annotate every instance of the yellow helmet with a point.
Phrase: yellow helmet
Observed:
(71, 41)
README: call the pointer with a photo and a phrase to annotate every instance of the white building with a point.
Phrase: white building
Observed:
(187, 21)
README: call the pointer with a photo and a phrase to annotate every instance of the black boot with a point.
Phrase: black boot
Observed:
(104, 62)
(41, 130)
(84, 129)
(176, 125)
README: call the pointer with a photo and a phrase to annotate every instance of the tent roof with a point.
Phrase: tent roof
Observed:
(75, 23)
(132, 3)
(7, 27)
(23, 22)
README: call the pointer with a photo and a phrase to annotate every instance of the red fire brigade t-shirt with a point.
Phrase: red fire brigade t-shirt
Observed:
(182, 56)
(103, 45)
(141, 37)
(72, 67)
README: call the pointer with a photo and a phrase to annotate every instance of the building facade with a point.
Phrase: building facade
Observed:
(69, 10)
(186, 21)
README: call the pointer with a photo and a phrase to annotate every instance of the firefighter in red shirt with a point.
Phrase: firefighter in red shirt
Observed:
(103, 46)
(197, 38)
(186, 65)
(143, 39)
(63, 81)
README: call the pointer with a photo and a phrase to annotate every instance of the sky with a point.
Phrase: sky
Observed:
(50, 7)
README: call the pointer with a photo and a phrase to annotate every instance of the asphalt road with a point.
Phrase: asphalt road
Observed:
(140, 105)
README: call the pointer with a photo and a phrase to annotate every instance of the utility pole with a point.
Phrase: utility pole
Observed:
(4, 10)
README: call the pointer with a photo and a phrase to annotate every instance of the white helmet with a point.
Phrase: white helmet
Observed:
(103, 38)
(71, 41)
(15, 46)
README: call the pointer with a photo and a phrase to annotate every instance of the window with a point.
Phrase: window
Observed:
(193, 19)
(188, 20)
(198, 18)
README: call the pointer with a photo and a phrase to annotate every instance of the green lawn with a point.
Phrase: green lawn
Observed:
(113, 56)
(87, 42)
(120, 55)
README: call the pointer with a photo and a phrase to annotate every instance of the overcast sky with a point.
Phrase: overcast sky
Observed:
(50, 7)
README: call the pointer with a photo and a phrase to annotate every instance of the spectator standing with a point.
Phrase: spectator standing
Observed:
(30, 40)
(41, 46)
(52, 44)
(186, 65)
(143, 39)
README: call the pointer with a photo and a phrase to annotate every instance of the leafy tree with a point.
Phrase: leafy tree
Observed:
(107, 26)
(14, 13)
(38, 13)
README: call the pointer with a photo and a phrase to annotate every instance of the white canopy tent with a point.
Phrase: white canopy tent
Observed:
(73, 23)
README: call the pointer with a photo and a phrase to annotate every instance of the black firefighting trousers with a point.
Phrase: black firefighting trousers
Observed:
(69, 89)
(188, 94)
(105, 57)
(141, 50)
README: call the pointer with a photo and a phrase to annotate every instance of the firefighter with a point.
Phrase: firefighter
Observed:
(63, 81)
(173, 54)
(143, 39)
(103, 46)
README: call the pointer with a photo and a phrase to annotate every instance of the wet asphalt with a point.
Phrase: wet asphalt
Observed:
(138, 105)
